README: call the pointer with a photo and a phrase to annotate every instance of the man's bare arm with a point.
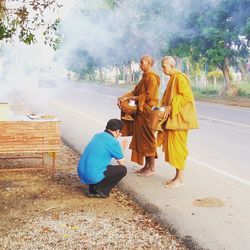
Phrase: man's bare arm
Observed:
(124, 143)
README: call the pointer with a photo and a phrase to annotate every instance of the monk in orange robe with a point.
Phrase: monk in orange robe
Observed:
(145, 93)
(180, 107)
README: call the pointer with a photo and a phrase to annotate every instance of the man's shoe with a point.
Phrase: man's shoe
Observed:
(96, 195)
(102, 195)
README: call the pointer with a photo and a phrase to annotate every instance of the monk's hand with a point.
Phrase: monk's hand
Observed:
(119, 99)
(168, 110)
(135, 98)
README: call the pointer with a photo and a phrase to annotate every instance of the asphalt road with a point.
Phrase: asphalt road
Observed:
(221, 144)
(217, 167)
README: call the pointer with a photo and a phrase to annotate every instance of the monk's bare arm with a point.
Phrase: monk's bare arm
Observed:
(129, 95)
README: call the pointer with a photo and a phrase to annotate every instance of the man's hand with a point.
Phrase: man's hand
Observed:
(124, 144)
(121, 162)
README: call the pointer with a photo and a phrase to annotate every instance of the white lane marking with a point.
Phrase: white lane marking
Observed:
(231, 176)
(224, 121)
(78, 112)
(93, 93)
(214, 105)
(236, 178)
(199, 103)
(221, 106)
(201, 116)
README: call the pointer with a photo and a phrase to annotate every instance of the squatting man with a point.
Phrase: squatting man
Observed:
(95, 167)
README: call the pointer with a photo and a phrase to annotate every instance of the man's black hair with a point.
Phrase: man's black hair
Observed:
(114, 124)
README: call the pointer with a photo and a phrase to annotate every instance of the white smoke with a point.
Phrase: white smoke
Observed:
(126, 31)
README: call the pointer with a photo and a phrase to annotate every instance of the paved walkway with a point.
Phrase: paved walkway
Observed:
(210, 211)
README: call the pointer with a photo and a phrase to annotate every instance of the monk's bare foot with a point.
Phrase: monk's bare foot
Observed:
(169, 182)
(147, 172)
(176, 183)
(141, 170)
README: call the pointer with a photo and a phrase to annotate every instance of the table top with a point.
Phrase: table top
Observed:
(29, 118)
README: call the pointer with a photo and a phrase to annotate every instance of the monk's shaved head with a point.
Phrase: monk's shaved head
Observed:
(149, 59)
(169, 59)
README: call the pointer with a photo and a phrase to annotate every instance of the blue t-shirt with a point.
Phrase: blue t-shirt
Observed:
(97, 156)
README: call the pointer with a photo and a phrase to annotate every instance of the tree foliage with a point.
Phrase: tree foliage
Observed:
(23, 19)
(81, 67)
(220, 34)
(117, 31)
(208, 32)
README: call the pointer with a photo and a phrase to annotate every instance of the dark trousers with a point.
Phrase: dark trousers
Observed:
(113, 175)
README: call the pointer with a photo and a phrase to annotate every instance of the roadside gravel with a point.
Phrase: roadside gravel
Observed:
(38, 211)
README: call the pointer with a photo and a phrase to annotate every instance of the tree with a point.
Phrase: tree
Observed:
(219, 33)
(23, 19)
(82, 67)
(115, 31)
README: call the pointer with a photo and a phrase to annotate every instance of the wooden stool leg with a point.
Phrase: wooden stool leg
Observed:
(53, 163)
(42, 159)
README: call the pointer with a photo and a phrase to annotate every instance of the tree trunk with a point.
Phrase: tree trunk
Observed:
(188, 67)
(243, 72)
(124, 72)
(229, 89)
(197, 74)
(214, 81)
(101, 78)
(196, 79)
(129, 73)
(225, 71)
(117, 74)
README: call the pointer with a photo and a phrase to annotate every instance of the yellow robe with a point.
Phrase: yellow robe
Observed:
(173, 139)
(143, 140)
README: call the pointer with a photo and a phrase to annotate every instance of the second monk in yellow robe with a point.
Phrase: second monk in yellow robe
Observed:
(179, 100)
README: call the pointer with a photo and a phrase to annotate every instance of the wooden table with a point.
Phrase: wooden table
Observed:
(22, 135)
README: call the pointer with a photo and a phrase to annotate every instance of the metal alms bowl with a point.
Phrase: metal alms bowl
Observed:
(131, 103)
(127, 108)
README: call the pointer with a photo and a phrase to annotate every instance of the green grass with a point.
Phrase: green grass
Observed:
(210, 91)
(205, 92)
(244, 89)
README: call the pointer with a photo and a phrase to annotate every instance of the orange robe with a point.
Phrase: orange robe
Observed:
(183, 117)
(144, 141)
